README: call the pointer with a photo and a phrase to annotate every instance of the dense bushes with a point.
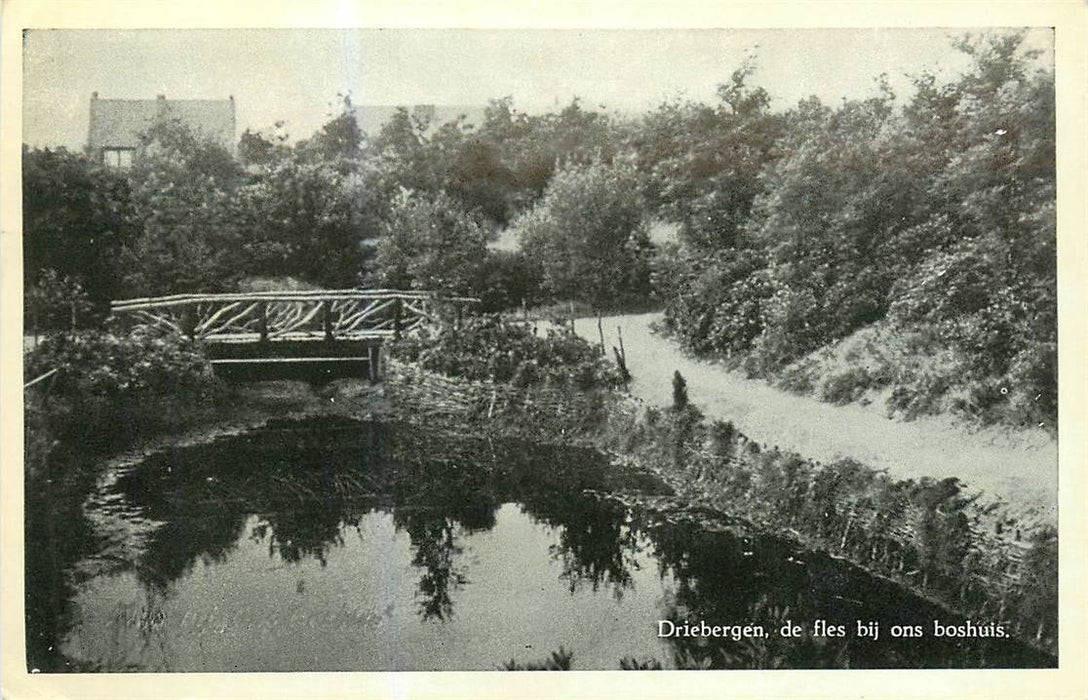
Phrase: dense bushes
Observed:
(934, 217)
(508, 279)
(429, 243)
(76, 219)
(588, 237)
(108, 389)
(409, 206)
(495, 349)
(58, 303)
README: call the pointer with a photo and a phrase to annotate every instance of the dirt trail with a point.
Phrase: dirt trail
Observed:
(1019, 467)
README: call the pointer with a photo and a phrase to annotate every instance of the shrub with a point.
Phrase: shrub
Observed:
(495, 349)
(57, 303)
(107, 387)
(847, 386)
(507, 281)
(588, 237)
(429, 242)
(679, 391)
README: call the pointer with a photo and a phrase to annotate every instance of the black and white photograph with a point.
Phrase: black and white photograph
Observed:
(432, 349)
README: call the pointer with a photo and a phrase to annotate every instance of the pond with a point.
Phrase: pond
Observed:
(334, 544)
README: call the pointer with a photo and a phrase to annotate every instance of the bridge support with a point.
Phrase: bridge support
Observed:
(317, 362)
(374, 365)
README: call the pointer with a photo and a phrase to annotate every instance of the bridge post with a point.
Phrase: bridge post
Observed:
(188, 322)
(374, 360)
(326, 319)
(263, 326)
(397, 312)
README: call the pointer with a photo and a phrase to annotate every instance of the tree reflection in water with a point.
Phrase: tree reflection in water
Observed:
(309, 483)
(436, 552)
(732, 578)
(595, 543)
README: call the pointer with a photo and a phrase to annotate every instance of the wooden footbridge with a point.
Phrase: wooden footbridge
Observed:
(313, 335)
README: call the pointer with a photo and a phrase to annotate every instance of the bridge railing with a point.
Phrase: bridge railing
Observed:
(345, 314)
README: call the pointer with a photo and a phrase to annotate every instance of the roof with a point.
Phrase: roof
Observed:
(119, 123)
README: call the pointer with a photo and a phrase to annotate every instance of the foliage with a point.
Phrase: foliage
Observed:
(76, 218)
(799, 228)
(932, 216)
(57, 303)
(716, 302)
(703, 162)
(508, 280)
(492, 170)
(306, 210)
(588, 237)
(558, 661)
(301, 216)
(339, 140)
(109, 387)
(429, 243)
(493, 348)
(182, 194)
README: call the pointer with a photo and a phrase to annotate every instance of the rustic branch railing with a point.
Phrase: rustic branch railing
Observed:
(345, 314)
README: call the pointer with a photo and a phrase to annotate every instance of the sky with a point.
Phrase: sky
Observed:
(294, 75)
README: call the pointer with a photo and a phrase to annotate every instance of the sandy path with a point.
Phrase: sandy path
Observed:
(1020, 467)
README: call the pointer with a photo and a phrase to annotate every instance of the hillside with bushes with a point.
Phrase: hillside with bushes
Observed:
(905, 251)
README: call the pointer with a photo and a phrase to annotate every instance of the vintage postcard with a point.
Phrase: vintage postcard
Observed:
(402, 352)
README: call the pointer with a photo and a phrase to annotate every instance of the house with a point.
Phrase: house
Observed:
(116, 125)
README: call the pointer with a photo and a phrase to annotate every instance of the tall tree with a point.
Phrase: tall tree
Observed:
(703, 161)
(587, 234)
(76, 219)
(182, 192)
(428, 242)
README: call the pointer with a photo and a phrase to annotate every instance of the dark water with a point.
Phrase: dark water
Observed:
(339, 545)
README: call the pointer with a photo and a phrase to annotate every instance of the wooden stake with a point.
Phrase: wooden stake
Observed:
(600, 331)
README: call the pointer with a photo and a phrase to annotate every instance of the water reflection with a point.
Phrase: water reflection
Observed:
(596, 545)
(436, 553)
(308, 484)
(343, 545)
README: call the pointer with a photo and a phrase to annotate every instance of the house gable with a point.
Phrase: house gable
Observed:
(116, 125)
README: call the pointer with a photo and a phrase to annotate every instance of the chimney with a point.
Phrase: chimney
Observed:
(94, 95)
